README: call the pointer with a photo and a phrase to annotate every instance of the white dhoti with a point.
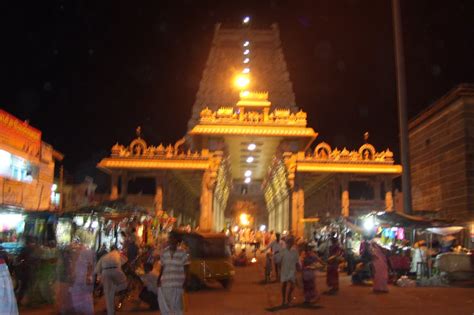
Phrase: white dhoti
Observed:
(7, 295)
(170, 300)
(113, 280)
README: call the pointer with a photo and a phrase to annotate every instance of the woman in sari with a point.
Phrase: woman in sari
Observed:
(308, 263)
(332, 274)
(380, 266)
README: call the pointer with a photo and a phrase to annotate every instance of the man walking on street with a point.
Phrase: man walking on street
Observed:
(289, 262)
(109, 267)
(172, 278)
(276, 246)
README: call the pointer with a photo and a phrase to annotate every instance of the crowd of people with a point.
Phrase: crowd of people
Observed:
(287, 256)
(72, 277)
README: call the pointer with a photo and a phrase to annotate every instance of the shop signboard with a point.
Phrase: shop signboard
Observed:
(19, 135)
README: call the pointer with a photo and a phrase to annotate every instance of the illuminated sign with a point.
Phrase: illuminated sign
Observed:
(19, 135)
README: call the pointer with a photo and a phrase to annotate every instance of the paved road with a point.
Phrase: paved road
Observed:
(249, 296)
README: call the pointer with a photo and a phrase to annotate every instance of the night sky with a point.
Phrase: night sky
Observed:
(87, 73)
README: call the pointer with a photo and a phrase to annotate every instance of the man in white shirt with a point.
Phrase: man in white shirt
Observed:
(276, 246)
(289, 262)
(109, 267)
(172, 278)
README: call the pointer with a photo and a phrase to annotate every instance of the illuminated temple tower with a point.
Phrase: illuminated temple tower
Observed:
(225, 59)
(249, 150)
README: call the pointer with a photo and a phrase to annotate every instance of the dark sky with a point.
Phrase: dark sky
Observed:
(87, 73)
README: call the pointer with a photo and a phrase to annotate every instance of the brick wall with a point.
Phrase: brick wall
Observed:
(441, 156)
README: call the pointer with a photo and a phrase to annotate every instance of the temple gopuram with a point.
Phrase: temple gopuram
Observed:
(249, 150)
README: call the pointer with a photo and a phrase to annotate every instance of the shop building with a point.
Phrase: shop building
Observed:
(26, 166)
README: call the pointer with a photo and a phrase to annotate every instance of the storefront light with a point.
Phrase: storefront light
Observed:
(369, 223)
(5, 159)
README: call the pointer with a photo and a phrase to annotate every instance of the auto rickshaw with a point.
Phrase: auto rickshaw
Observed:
(209, 258)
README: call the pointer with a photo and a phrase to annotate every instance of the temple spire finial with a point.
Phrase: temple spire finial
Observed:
(139, 131)
(366, 137)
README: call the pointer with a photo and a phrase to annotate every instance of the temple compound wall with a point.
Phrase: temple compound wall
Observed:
(442, 156)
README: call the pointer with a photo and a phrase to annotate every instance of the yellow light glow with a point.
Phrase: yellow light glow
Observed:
(244, 94)
(244, 219)
(242, 81)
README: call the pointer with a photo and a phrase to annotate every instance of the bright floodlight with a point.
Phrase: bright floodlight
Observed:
(246, 70)
(245, 94)
(251, 147)
(246, 43)
(246, 20)
(246, 51)
(246, 60)
(54, 187)
(248, 173)
(250, 159)
(242, 81)
(244, 219)
(369, 223)
(262, 227)
(247, 180)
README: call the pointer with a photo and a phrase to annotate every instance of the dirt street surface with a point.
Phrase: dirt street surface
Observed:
(249, 295)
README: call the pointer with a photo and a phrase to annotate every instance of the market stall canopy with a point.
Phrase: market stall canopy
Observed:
(399, 219)
(113, 209)
(445, 230)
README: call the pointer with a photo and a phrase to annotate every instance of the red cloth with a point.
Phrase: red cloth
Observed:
(2, 261)
(332, 274)
(398, 262)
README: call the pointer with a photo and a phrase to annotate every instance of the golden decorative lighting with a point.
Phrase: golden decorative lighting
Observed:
(242, 81)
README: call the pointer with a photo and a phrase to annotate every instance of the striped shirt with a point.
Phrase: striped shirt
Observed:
(173, 275)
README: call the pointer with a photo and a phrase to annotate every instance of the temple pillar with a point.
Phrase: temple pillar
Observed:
(158, 200)
(114, 187)
(294, 211)
(124, 184)
(206, 216)
(297, 212)
(388, 194)
(300, 223)
(345, 197)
